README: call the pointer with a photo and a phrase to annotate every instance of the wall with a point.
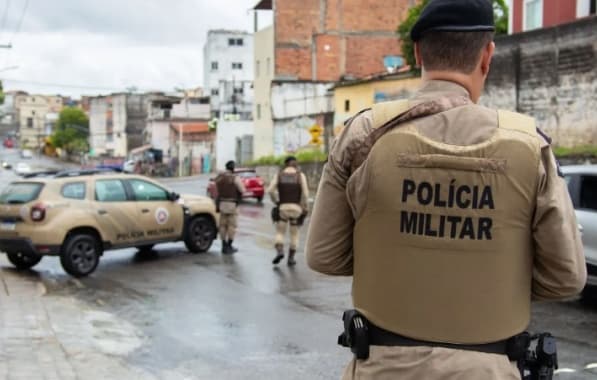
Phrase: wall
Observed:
(136, 116)
(160, 136)
(226, 135)
(312, 172)
(107, 125)
(32, 107)
(264, 125)
(550, 74)
(363, 95)
(322, 40)
(217, 49)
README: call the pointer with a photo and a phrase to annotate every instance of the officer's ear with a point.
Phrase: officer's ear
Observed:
(418, 59)
(486, 57)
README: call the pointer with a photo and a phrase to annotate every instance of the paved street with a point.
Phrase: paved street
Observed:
(175, 315)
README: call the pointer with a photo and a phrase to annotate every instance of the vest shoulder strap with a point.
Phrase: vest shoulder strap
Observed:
(517, 122)
(386, 111)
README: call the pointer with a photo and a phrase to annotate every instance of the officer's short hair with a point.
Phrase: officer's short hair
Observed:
(452, 51)
(230, 165)
(289, 159)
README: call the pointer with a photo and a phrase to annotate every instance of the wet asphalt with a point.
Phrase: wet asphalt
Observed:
(214, 316)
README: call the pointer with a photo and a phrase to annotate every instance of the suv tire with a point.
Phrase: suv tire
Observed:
(22, 260)
(80, 254)
(200, 234)
(145, 249)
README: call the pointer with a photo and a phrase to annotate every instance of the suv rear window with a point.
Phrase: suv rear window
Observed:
(74, 190)
(19, 193)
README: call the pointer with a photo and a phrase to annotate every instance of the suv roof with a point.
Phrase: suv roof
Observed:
(579, 169)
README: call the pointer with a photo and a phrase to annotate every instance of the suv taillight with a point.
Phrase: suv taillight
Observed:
(38, 212)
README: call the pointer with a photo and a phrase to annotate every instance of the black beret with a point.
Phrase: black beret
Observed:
(454, 16)
(289, 159)
(230, 165)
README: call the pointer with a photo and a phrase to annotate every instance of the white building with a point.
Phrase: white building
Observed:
(228, 74)
(107, 125)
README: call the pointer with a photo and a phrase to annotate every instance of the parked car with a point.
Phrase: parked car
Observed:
(26, 153)
(22, 168)
(128, 166)
(6, 165)
(77, 215)
(254, 185)
(582, 185)
(9, 143)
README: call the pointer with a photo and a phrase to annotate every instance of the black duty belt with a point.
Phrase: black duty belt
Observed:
(381, 337)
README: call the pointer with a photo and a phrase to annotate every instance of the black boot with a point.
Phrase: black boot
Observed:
(231, 249)
(280, 255)
(291, 261)
(224, 246)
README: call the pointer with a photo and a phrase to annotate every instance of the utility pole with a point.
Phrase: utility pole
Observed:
(180, 150)
(8, 46)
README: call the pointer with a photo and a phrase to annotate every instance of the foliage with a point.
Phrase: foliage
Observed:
(584, 151)
(305, 156)
(72, 131)
(1, 93)
(500, 9)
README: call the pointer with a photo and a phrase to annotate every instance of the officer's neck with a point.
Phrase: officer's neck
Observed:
(464, 80)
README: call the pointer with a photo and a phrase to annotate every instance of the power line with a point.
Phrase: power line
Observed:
(4, 16)
(18, 29)
(63, 85)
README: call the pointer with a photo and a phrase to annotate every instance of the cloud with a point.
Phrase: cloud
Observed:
(151, 44)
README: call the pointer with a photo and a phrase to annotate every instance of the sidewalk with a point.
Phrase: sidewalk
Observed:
(56, 337)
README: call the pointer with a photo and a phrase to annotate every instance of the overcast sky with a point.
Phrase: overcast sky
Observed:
(109, 45)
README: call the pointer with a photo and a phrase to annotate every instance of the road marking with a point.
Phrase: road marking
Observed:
(591, 366)
(564, 370)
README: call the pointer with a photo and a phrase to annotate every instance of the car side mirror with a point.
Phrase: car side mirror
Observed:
(174, 196)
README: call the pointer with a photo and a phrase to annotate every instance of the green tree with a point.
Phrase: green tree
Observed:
(72, 131)
(1, 93)
(500, 10)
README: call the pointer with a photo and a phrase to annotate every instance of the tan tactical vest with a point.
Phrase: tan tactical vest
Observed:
(289, 187)
(227, 190)
(443, 250)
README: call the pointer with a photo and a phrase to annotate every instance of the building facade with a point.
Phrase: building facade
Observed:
(528, 15)
(311, 45)
(228, 74)
(36, 116)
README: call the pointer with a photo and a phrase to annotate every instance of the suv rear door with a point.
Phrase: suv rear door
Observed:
(160, 218)
(12, 204)
(116, 212)
(586, 212)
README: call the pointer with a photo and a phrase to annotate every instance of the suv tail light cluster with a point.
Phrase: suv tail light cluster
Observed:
(38, 212)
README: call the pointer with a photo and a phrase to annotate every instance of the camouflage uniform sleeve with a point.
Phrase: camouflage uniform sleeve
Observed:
(272, 190)
(559, 263)
(329, 239)
(239, 185)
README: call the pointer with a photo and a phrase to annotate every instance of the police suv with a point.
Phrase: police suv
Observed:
(77, 215)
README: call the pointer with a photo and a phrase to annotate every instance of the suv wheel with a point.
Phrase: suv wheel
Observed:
(23, 260)
(145, 248)
(80, 255)
(199, 235)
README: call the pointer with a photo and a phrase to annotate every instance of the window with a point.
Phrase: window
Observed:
(257, 68)
(347, 105)
(239, 91)
(75, 190)
(237, 65)
(235, 42)
(267, 66)
(588, 193)
(214, 66)
(29, 122)
(593, 8)
(145, 191)
(110, 190)
(533, 14)
(19, 193)
(258, 111)
(109, 137)
(215, 92)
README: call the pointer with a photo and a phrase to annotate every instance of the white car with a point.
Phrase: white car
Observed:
(26, 153)
(582, 185)
(128, 166)
(22, 168)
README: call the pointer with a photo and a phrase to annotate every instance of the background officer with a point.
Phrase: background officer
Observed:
(290, 193)
(230, 191)
(439, 299)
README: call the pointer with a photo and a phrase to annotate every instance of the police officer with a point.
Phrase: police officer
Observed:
(230, 190)
(451, 217)
(289, 191)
